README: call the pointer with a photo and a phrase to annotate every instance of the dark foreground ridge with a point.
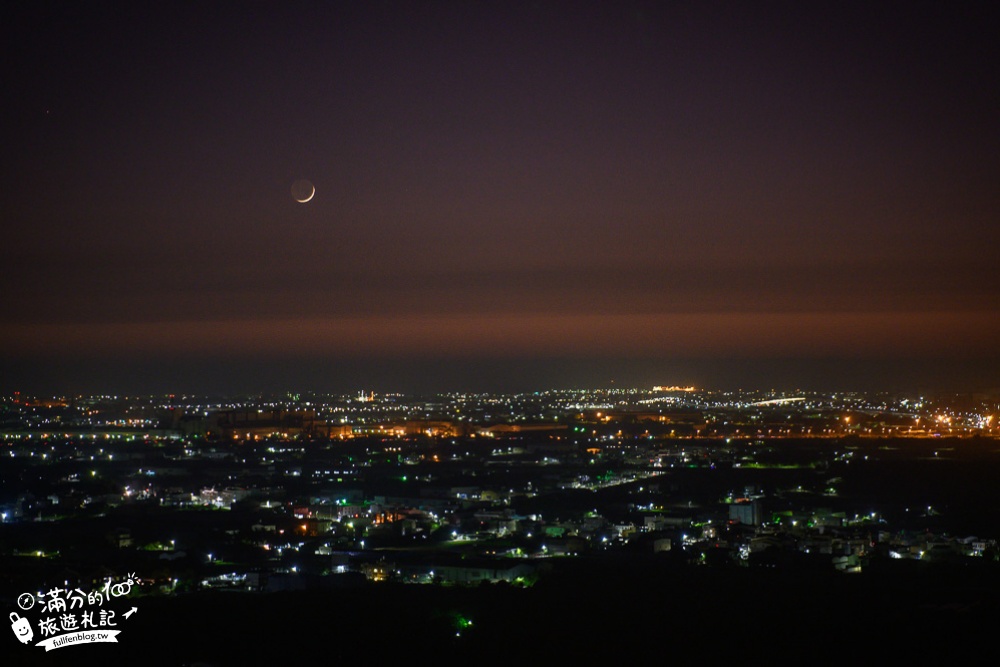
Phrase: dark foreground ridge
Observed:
(582, 611)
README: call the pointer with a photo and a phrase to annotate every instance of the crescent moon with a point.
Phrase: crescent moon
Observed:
(303, 191)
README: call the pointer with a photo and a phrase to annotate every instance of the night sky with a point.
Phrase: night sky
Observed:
(508, 195)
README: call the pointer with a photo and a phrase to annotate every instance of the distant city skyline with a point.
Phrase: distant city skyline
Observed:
(499, 196)
(229, 377)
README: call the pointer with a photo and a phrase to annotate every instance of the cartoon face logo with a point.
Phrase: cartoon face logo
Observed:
(21, 628)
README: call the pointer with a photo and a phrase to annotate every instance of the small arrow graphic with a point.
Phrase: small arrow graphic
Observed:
(131, 611)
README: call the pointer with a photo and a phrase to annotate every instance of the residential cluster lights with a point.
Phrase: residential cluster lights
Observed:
(673, 388)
